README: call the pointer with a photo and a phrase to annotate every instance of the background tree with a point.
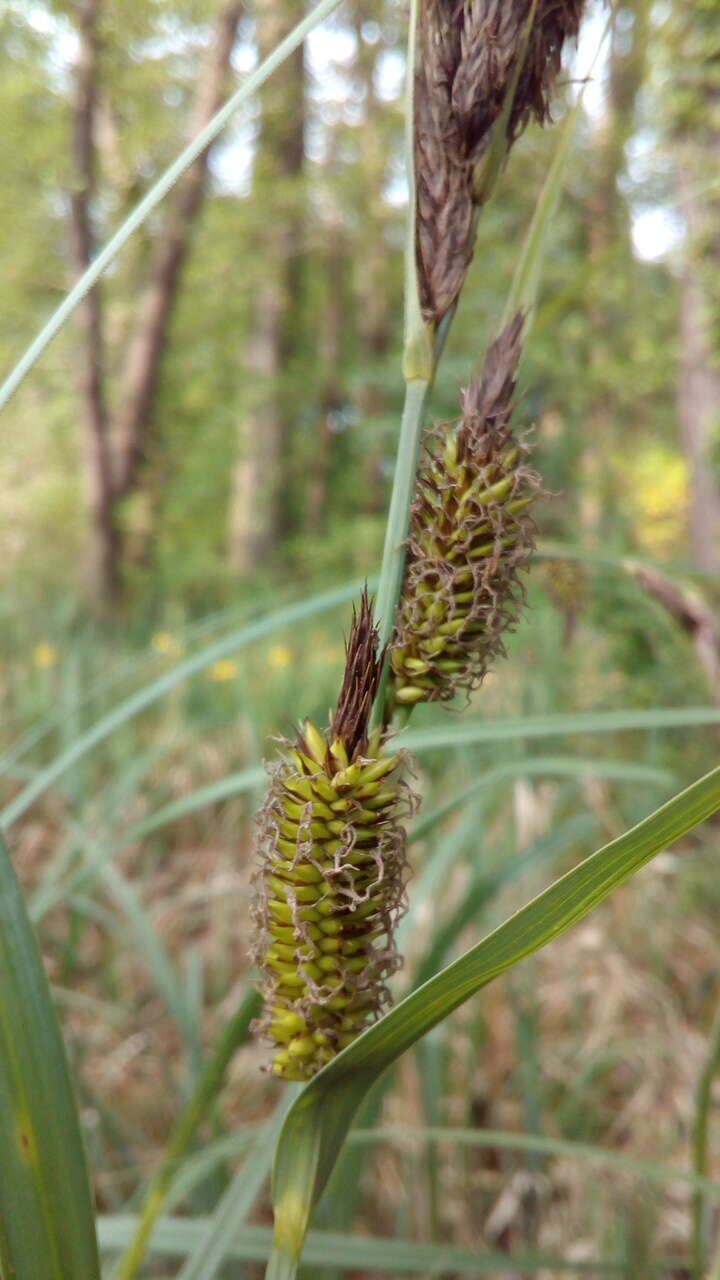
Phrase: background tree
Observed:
(260, 506)
(694, 137)
(116, 441)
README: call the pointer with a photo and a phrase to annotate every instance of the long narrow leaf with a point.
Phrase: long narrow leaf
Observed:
(236, 784)
(319, 1120)
(215, 1244)
(47, 1230)
(177, 1236)
(469, 732)
(152, 692)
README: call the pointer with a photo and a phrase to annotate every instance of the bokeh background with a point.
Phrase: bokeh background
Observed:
(210, 443)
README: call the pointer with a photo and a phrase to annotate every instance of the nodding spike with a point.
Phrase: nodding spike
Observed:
(471, 536)
(330, 884)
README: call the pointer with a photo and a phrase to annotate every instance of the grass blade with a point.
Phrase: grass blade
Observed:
(208, 1087)
(152, 692)
(47, 1230)
(470, 732)
(703, 1107)
(176, 1236)
(319, 1120)
(215, 1243)
(649, 1170)
(236, 784)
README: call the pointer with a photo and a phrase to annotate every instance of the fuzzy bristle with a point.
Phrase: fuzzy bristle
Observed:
(330, 883)
(471, 535)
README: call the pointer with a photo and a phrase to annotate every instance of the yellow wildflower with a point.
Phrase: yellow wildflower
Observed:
(223, 669)
(44, 655)
(164, 643)
(280, 656)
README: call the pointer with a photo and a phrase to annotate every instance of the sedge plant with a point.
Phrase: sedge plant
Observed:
(332, 863)
(459, 535)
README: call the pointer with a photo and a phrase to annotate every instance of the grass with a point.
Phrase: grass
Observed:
(134, 1022)
(136, 795)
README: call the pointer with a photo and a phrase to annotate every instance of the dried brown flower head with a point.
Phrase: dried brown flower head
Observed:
(474, 55)
(471, 534)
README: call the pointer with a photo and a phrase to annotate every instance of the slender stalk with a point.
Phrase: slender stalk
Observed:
(282, 1266)
(233, 1034)
(208, 1255)
(393, 561)
(703, 1101)
(419, 363)
(156, 193)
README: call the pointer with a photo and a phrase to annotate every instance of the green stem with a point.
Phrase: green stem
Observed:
(282, 1266)
(209, 1085)
(700, 1149)
(419, 370)
(393, 561)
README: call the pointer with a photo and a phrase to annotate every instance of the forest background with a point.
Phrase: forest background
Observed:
(212, 439)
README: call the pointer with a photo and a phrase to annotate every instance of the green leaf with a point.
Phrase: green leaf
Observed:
(47, 1230)
(152, 692)
(524, 287)
(165, 1178)
(700, 1151)
(543, 767)
(236, 784)
(318, 1121)
(214, 1245)
(176, 1236)
(469, 732)
(505, 1140)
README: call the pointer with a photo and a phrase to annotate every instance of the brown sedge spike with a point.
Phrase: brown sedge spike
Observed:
(330, 882)
(467, 70)
(471, 534)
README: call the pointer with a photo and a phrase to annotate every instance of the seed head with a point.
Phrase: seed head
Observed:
(470, 536)
(330, 883)
(467, 69)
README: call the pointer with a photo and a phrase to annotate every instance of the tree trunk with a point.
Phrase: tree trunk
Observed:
(114, 450)
(698, 390)
(103, 566)
(693, 141)
(149, 339)
(608, 228)
(259, 498)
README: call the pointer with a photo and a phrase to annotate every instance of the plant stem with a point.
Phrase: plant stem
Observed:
(233, 1034)
(393, 561)
(700, 1149)
(419, 370)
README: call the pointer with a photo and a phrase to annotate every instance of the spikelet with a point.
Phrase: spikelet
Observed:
(471, 534)
(469, 51)
(331, 877)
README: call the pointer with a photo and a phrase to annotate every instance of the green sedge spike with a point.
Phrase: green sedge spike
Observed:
(471, 534)
(330, 882)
